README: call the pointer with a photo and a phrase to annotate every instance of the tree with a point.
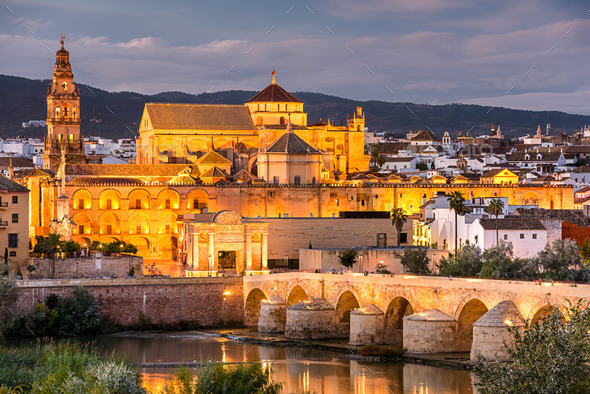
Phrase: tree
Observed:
(457, 204)
(398, 219)
(549, 356)
(585, 251)
(348, 258)
(49, 246)
(496, 207)
(9, 295)
(414, 260)
(94, 246)
(561, 261)
(70, 248)
(422, 166)
(499, 262)
(129, 248)
(467, 262)
(381, 268)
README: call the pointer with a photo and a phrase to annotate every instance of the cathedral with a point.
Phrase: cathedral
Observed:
(260, 160)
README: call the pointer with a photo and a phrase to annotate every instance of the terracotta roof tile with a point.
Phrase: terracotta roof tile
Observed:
(125, 170)
(213, 158)
(11, 186)
(290, 143)
(199, 116)
(274, 93)
(512, 223)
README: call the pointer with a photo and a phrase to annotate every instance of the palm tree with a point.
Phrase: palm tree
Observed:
(457, 204)
(50, 245)
(496, 207)
(398, 219)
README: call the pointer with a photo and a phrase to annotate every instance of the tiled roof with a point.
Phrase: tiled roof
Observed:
(491, 173)
(213, 158)
(532, 156)
(11, 186)
(125, 170)
(243, 176)
(274, 93)
(512, 224)
(574, 216)
(582, 169)
(425, 135)
(214, 172)
(17, 162)
(199, 116)
(290, 143)
(392, 148)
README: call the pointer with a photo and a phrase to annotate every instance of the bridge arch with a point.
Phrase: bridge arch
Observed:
(393, 325)
(473, 295)
(347, 302)
(545, 307)
(296, 295)
(252, 307)
(471, 312)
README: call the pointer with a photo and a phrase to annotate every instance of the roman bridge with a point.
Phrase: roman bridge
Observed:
(463, 301)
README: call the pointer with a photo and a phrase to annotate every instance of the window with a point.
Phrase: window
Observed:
(64, 85)
(167, 204)
(81, 203)
(15, 218)
(109, 229)
(138, 204)
(534, 236)
(505, 237)
(71, 137)
(12, 253)
(337, 202)
(362, 203)
(382, 240)
(15, 199)
(167, 229)
(109, 204)
(297, 180)
(521, 236)
(403, 238)
(145, 122)
(137, 229)
(12, 240)
(195, 204)
(81, 229)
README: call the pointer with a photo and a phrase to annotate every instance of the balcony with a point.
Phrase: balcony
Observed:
(3, 204)
(3, 223)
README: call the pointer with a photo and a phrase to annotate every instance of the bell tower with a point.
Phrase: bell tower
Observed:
(63, 115)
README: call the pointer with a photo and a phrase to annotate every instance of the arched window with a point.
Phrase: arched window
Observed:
(64, 85)
(282, 120)
(57, 112)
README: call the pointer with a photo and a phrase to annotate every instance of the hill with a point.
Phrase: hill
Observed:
(117, 114)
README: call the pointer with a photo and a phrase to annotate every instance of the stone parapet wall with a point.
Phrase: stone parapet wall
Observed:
(207, 301)
(86, 268)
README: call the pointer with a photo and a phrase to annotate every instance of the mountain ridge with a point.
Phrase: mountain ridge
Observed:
(117, 114)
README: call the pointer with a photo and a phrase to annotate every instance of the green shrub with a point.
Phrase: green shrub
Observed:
(218, 378)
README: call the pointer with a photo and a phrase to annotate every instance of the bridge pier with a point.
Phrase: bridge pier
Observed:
(430, 331)
(366, 325)
(273, 315)
(490, 332)
(312, 319)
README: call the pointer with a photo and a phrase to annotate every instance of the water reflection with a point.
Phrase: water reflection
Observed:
(299, 368)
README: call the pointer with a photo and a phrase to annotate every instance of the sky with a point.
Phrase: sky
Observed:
(519, 54)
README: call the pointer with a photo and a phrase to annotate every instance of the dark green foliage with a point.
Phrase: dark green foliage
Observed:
(416, 261)
(75, 316)
(499, 262)
(94, 246)
(422, 166)
(381, 268)
(561, 261)
(65, 368)
(70, 248)
(549, 356)
(467, 262)
(8, 297)
(348, 258)
(218, 378)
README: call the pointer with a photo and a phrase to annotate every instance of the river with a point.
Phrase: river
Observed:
(299, 369)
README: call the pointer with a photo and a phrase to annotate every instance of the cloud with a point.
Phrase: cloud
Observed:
(422, 66)
(351, 9)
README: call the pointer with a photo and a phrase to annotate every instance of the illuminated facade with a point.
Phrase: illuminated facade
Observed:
(63, 115)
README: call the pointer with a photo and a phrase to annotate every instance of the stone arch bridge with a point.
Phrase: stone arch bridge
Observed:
(464, 301)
